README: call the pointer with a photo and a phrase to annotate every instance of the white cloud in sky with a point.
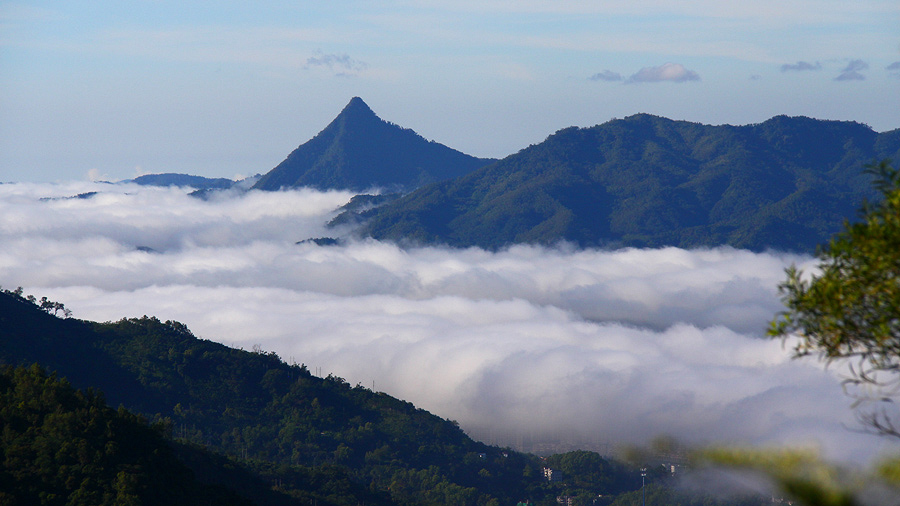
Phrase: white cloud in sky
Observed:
(615, 346)
(673, 72)
(800, 66)
(342, 63)
(607, 75)
(853, 71)
(96, 175)
(894, 68)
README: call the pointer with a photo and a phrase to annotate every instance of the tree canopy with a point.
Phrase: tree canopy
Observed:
(850, 308)
(649, 182)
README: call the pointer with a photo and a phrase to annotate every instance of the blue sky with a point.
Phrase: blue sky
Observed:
(116, 89)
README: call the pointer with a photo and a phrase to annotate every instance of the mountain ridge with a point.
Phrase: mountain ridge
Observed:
(179, 179)
(646, 181)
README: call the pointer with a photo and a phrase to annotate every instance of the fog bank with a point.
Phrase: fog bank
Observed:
(521, 346)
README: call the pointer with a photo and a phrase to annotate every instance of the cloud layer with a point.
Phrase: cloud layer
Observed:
(521, 346)
(672, 72)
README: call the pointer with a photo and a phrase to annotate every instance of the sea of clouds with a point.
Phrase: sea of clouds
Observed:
(522, 346)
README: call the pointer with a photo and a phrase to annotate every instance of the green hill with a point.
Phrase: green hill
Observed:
(230, 426)
(64, 446)
(359, 151)
(646, 181)
(319, 438)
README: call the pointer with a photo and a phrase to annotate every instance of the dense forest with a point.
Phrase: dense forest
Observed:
(647, 181)
(65, 446)
(239, 425)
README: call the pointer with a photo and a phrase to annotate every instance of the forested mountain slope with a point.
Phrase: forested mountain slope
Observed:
(647, 181)
(320, 437)
(63, 446)
(242, 427)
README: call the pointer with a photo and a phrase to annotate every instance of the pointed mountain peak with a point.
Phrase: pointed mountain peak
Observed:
(358, 151)
(356, 102)
(356, 107)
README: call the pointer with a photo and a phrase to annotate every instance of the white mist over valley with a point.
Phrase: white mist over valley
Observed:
(526, 347)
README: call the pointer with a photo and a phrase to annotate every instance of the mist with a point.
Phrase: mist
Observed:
(528, 346)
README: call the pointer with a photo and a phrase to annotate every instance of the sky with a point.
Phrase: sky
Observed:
(520, 346)
(112, 90)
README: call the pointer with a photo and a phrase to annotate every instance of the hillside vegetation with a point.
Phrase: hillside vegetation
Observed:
(646, 181)
(64, 446)
(316, 437)
(241, 427)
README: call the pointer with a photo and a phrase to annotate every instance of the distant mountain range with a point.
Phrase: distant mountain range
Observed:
(204, 187)
(646, 181)
(359, 151)
(173, 179)
(643, 181)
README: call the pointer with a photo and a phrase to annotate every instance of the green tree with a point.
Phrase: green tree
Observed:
(803, 476)
(850, 308)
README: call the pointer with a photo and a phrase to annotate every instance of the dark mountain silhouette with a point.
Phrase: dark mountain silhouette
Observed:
(173, 179)
(359, 151)
(646, 181)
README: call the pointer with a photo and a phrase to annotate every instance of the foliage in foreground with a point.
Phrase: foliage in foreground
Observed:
(802, 476)
(850, 309)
